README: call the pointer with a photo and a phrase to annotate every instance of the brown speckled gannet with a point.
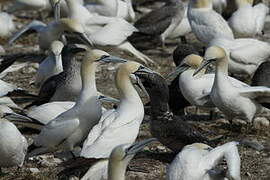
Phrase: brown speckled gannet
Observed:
(70, 128)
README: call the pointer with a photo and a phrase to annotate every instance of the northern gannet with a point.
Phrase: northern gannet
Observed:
(113, 8)
(51, 65)
(13, 147)
(234, 101)
(245, 54)
(121, 156)
(220, 5)
(53, 31)
(116, 126)
(200, 162)
(172, 131)
(254, 18)
(7, 26)
(70, 128)
(207, 24)
(160, 22)
(196, 89)
(105, 31)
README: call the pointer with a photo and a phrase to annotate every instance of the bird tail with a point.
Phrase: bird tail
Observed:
(34, 150)
(98, 171)
(23, 120)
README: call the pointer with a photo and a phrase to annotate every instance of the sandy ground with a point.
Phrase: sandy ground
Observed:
(153, 160)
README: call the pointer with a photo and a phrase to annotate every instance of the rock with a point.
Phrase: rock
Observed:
(73, 178)
(260, 123)
(34, 170)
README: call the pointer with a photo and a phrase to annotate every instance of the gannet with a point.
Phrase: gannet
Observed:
(51, 65)
(105, 31)
(113, 8)
(160, 22)
(245, 54)
(200, 162)
(13, 146)
(65, 86)
(7, 26)
(254, 18)
(261, 78)
(219, 5)
(207, 24)
(53, 31)
(233, 101)
(196, 89)
(70, 128)
(172, 131)
(121, 156)
(116, 126)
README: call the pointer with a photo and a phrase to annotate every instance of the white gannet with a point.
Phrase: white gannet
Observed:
(117, 126)
(113, 8)
(53, 31)
(245, 54)
(70, 128)
(196, 89)
(254, 18)
(233, 101)
(200, 162)
(13, 146)
(205, 23)
(219, 5)
(7, 26)
(105, 31)
(51, 65)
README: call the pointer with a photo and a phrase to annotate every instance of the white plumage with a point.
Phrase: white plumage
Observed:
(7, 26)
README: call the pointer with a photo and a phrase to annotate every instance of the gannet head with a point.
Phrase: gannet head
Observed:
(191, 61)
(133, 70)
(240, 3)
(212, 54)
(98, 56)
(56, 47)
(73, 27)
(200, 4)
(74, 48)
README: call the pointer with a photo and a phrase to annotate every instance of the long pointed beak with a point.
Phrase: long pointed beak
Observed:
(57, 11)
(140, 84)
(136, 147)
(108, 99)
(113, 59)
(203, 65)
(84, 38)
(178, 70)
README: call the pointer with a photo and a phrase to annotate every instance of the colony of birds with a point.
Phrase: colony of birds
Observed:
(71, 120)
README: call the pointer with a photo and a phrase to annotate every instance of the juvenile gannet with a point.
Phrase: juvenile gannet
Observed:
(7, 26)
(160, 22)
(196, 89)
(51, 65)
(170, 130)
(70, 128)
(113, 8)
(105, 31)
(13, 146)
(65, 86)
(116, 126)
(262, 78)
(254, 18)
(233, 101)
(53, 31)
(245, 54)
(205, 23)
(200, 162)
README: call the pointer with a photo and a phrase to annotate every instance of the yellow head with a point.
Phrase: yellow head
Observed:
(71, 25)
(200, 3)
(240, 3)
(193, 60)
(214, 53)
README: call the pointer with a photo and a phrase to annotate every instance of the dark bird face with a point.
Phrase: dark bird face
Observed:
(156, 86)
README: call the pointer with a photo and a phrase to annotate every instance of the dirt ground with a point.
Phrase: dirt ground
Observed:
(153, 160)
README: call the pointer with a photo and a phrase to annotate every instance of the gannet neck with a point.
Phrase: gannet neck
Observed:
(222, 66)
(88, 76)
(58, 61)
(201, 4)
(125, 87)
(117, 170)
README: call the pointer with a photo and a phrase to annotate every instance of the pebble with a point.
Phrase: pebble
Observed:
(34, 170)
(261, 122)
